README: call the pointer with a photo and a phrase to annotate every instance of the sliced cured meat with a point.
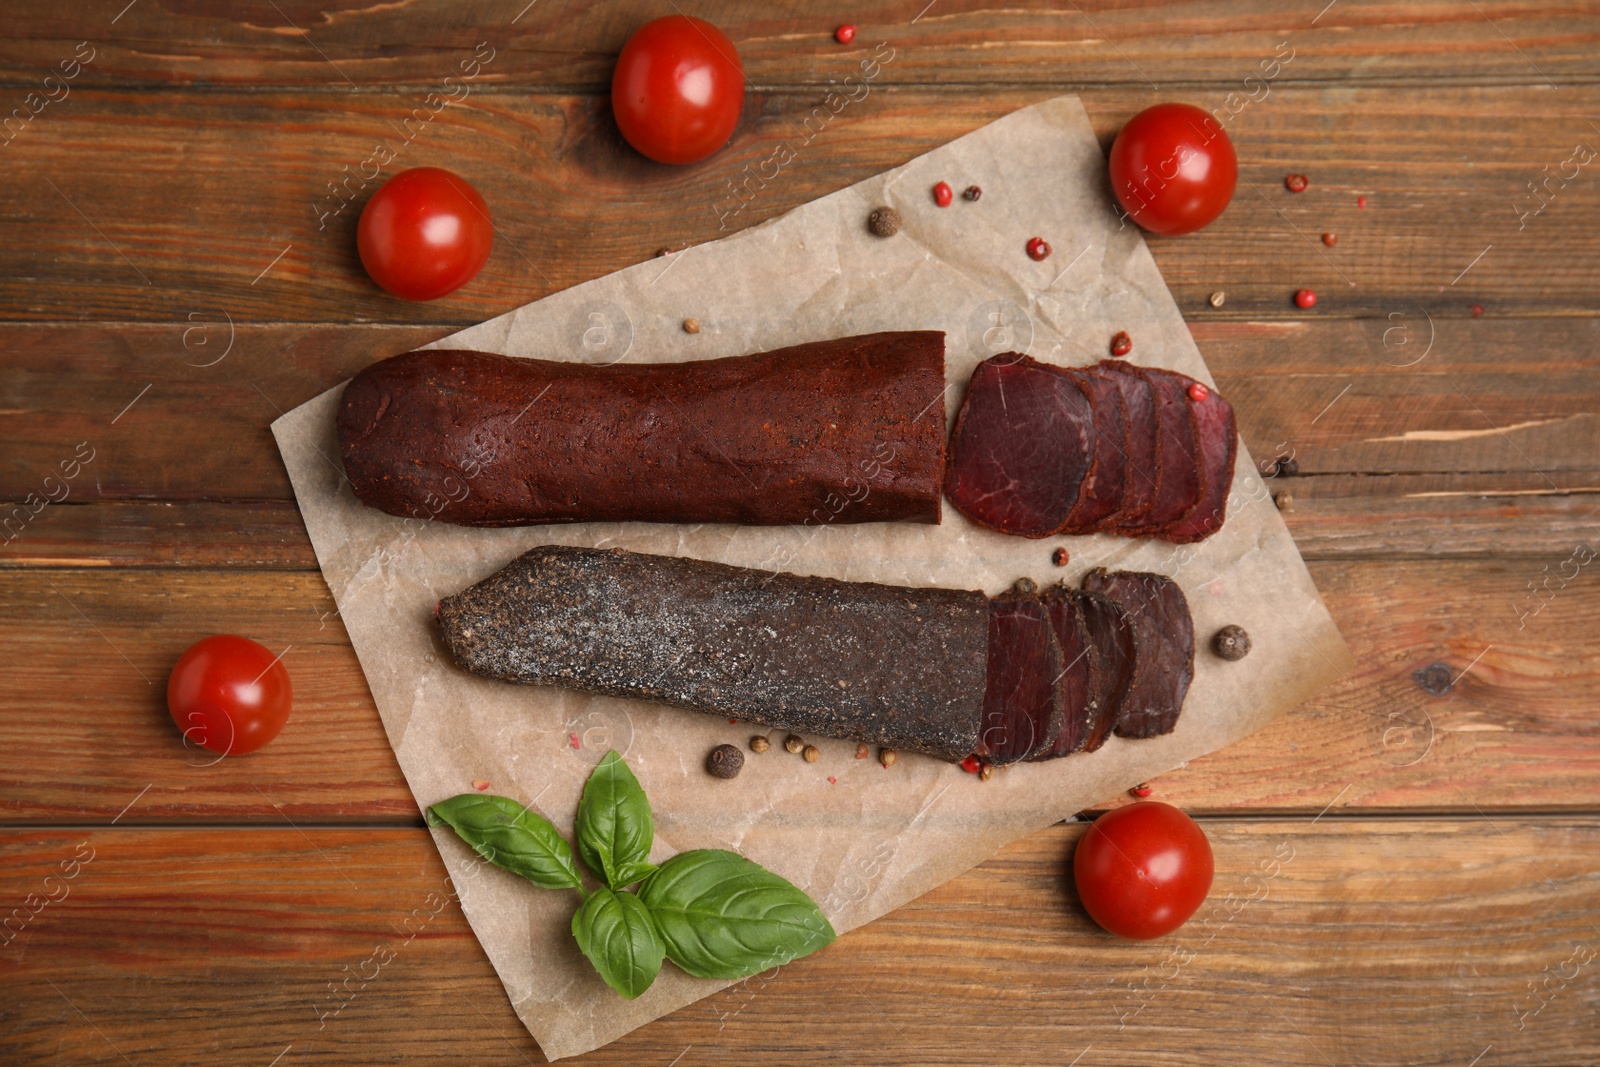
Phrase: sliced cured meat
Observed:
(1021, 711)
(1178, 481)
(1143, 443)
(1105, 486)
(1020, 448)
(1219, 448)
(1078, 681)
(1112, 652)
(1040, 450)
(1163, 664)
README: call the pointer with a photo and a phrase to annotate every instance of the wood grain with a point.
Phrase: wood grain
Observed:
(1344, 941)
(1331, 516)
(87, 653)
(164, 426)
(564, 43)
(198, 225)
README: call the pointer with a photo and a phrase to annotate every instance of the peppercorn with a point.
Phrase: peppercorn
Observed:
(1121, 343)
(1060, 557)
(1198, 392)
(886, 756)
(1025, 586)
(861, 750)
(1305, 298)
(845, 34)
(1285, 501)
(793, 743)
(811, 754)
(970, 764)
(691, 325)
(1218, 298)
(759, 743)
(1141, 790)
(1361, 203)
(725, 761)
(985, 772)
(884, 221)
(1038, 249)
(971, 192)
(942, 194)
(1231, 643)
(1477, 311)
(1330, 239)
(1297, 183)
(1288, 466)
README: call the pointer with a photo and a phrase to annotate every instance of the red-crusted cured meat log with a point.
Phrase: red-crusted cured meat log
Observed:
(845, 431)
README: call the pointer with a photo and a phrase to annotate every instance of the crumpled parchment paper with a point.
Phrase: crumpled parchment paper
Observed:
(860, 838)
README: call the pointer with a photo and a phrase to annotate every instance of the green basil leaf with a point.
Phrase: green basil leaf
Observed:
(509, 835)
(615, 830)
(723, 916)
(615, 931)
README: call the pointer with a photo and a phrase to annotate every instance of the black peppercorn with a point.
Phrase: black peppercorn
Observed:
(884, 221)
(725, 761)
(1231, 642)
(972, 192)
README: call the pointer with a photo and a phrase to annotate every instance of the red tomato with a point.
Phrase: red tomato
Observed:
(425, 233)
(229, 694)
(1142, 870)
(678, 89)
(1173, 168)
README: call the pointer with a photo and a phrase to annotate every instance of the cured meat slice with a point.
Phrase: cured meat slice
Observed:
(882, 664)
(1020, 448)
(1079, 679)
(1105, 486)
(1143, 443)
(1163, 663)
(1112, 651)
(1219, 448)
(1178, 481)
(1021, 710)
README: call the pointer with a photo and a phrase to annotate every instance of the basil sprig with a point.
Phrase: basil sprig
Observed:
(713, 913)
(614, 827)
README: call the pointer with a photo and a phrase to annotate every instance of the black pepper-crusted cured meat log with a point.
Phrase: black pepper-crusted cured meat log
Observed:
(846, 431)
(1163, 662)
(1024, 701)
(892, 666)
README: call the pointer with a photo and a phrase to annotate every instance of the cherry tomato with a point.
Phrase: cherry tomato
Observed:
(678, 89)
(229, 694)
(1173, 168)
(1142, 870)
(425, 233)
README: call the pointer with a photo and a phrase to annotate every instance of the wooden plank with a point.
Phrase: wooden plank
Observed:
(1452, 706)
(1321, 390)
(258, 233)
(1332, 516)
(1346, 940)
(566, 43)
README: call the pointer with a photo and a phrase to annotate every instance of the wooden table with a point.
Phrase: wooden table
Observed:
(179, 268)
